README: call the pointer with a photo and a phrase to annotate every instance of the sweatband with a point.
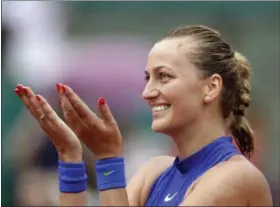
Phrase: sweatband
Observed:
(110, 173)
(72, 177)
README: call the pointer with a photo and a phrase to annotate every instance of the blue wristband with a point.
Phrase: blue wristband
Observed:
(72, 177)
(110, 173)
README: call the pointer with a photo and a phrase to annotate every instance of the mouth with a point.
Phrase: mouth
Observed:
(160, 108)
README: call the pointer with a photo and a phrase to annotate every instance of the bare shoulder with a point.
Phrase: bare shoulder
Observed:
(235, 182)
(141, 183)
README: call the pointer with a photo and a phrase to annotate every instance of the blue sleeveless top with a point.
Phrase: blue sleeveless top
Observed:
(171, 186)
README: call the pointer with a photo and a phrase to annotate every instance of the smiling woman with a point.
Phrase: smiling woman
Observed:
(172, 80)
(196, 84)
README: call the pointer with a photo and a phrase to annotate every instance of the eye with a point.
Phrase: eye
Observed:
(164, 76)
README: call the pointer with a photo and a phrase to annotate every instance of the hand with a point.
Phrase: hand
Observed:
(101, 136)
(64, 139)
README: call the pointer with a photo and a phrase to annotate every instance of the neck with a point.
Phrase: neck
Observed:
(196, 136)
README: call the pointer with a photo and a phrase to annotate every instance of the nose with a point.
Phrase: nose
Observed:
(149, 92)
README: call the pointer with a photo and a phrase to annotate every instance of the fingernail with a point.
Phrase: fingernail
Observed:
(62, 88)
(57, 87)
(38, 98)
(24, 90)
(19, 87)
(101, 101)
(16, 91)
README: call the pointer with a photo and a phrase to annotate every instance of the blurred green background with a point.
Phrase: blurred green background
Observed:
(100, 48)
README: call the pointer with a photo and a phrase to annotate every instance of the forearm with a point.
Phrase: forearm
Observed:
(73, 199)
(114, 197)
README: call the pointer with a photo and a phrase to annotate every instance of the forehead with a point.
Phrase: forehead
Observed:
(171, 53)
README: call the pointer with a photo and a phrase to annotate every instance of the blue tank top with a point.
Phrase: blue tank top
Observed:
(171, 186)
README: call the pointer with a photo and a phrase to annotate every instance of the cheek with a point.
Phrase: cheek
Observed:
(188, 99)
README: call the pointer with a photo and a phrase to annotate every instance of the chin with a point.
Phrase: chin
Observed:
(160, 126)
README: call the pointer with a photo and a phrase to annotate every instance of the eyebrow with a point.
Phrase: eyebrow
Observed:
(157, 69)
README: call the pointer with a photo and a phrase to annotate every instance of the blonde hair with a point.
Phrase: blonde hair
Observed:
(213, 55)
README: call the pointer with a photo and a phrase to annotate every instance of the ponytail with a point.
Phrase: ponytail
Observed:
(213, 55)
(240, 127)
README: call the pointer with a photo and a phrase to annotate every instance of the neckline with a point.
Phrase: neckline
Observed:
(206, 155)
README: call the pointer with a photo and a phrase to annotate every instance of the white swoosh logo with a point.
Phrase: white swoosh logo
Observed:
(167, 198)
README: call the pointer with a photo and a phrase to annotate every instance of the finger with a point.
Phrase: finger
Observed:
(26, 94)
(49, 119)
(73, 119)
(39, 108)
(79, 106)
(46, 113)
(71, 116)
(51, 122)
(105, 112)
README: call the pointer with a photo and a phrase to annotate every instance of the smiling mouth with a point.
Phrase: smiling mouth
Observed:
(160, 108)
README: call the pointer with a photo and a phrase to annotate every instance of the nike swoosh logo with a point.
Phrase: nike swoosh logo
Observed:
(108, 173)
(168, 198)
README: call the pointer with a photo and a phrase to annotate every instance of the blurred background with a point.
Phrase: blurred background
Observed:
(100, 48)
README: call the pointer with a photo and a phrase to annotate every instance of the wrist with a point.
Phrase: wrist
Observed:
(70, 157)
(72, 177)
(110, 173)
(108, 156)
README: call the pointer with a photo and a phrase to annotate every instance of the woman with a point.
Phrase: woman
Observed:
(196, 86)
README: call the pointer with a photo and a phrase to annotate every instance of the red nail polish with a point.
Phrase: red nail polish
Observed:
(62, 88)
(57, 87)
(101, 101)
(38, 98)
(16, 91)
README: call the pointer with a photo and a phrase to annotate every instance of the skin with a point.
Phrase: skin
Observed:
(172, 79)
(64, 139)
(169, 75)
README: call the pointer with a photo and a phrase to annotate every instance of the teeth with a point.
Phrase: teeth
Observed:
(160, 108)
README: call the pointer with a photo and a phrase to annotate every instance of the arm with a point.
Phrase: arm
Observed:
(129, 196)
(138, 189)
(66, 143)
(114, 197)
(73, 199)
(102, 136)
(234, 184)
(260, 191)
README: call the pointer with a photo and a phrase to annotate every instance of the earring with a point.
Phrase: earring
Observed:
(207, 98)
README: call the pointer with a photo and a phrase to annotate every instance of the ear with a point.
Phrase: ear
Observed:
(212, 88)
